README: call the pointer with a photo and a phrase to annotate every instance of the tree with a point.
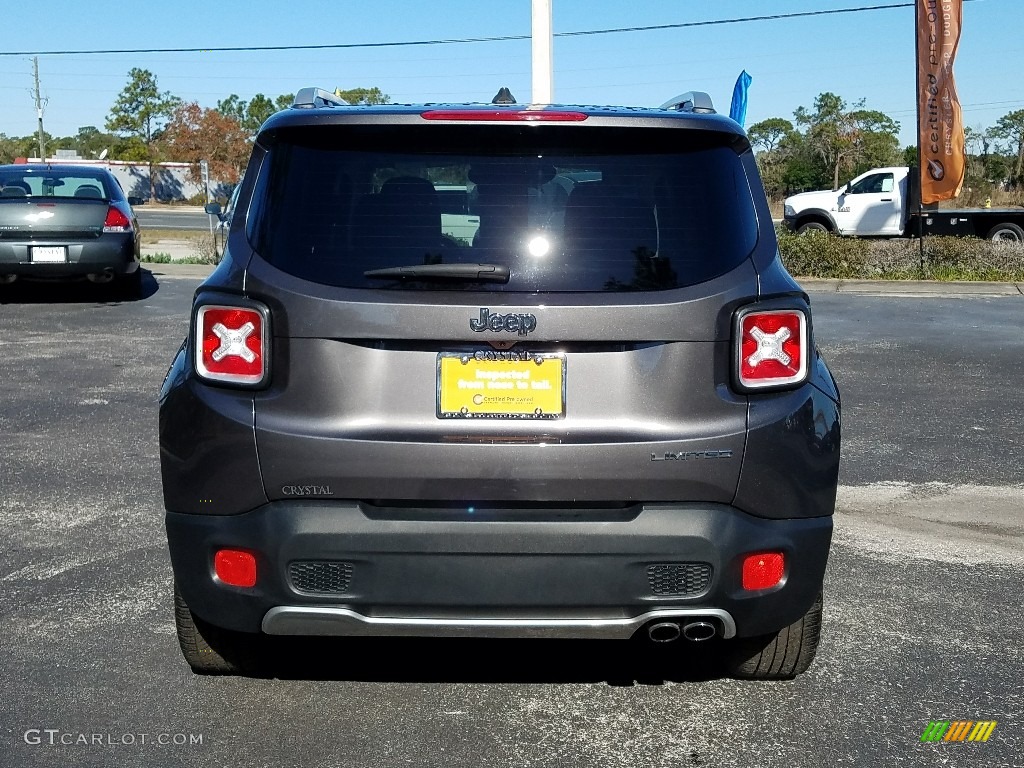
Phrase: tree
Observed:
(232, 106)
(251, 114)
(803, 170)
(7, 148)
(194, 134)
(90, 141)
(876, 140)
(140, 111)
(776, 137)
(13, 146)
(829, 132)
(843, 138)
(257, 111)
(1010, 127)
(363, 96)
(986, 163)
(132, 149)
(768, 133)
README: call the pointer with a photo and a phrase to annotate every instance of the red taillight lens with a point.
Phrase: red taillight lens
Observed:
(231, 344)
(235, 567)
(506, 115)
(763, 570)
(116, 221)
(772, 348)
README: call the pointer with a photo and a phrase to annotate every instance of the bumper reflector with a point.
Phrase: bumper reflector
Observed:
(235, 567)
(763, 570)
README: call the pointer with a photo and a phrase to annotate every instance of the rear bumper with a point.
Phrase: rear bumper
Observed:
(114, 252)
(325, 620)
(564, 573)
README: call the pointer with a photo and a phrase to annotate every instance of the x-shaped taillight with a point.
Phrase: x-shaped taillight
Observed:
(231, 344)
(771, 348)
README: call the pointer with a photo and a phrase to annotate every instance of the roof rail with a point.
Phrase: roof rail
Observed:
(691, 101)
(308, 98)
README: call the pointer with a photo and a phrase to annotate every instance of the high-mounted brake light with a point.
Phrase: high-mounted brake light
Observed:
(116, 221)
(505, 115)
(231, 344)
(771, 348)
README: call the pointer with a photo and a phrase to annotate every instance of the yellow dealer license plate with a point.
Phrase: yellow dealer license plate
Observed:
(500, 385)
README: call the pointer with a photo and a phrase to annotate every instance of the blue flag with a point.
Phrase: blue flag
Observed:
(738, 109)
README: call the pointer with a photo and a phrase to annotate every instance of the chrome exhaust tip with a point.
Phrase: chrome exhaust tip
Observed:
(663, 632)
(698, 631)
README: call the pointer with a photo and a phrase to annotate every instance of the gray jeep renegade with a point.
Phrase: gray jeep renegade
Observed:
(501, 371)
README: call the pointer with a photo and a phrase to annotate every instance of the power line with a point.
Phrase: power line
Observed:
(462, 40)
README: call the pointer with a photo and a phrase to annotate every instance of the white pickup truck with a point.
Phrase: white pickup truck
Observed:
(883, 203)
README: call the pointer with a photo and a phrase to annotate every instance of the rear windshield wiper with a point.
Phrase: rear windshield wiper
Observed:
(476, 273)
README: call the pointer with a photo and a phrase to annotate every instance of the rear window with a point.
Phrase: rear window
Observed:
(565, 209)
(54, 183)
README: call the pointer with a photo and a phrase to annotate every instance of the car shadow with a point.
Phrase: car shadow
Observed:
(77, 292)
(432, 660)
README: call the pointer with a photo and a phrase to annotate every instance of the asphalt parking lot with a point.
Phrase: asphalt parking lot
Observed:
(923, 594)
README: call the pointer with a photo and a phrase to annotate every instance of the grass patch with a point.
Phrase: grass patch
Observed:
(165, 258)
(200, 246)
(819, 254)
(152, 236)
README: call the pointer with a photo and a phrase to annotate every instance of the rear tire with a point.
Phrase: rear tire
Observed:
(1006, 233)
(781, 656)
(211, 650)
(812, 226)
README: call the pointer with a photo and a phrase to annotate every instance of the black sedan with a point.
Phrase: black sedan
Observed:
(67, 222)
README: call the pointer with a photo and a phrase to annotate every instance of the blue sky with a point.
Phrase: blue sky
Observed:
(860, 55)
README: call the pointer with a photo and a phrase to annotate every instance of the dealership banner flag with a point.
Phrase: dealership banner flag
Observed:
(939, 122)
(738, 108)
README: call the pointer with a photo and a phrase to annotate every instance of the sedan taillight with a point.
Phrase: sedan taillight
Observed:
(116, 221)
(771, 348)
(231, 344)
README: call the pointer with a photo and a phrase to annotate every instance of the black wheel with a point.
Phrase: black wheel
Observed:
(210, 650)
(812, 226)
(1006, 233)
(781, 656)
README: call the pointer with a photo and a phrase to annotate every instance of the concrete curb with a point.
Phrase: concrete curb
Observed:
(176, 249)
(180, 271)
(910, 288)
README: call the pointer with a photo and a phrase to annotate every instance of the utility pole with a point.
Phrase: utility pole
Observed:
(543, 74)
(39, 108)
